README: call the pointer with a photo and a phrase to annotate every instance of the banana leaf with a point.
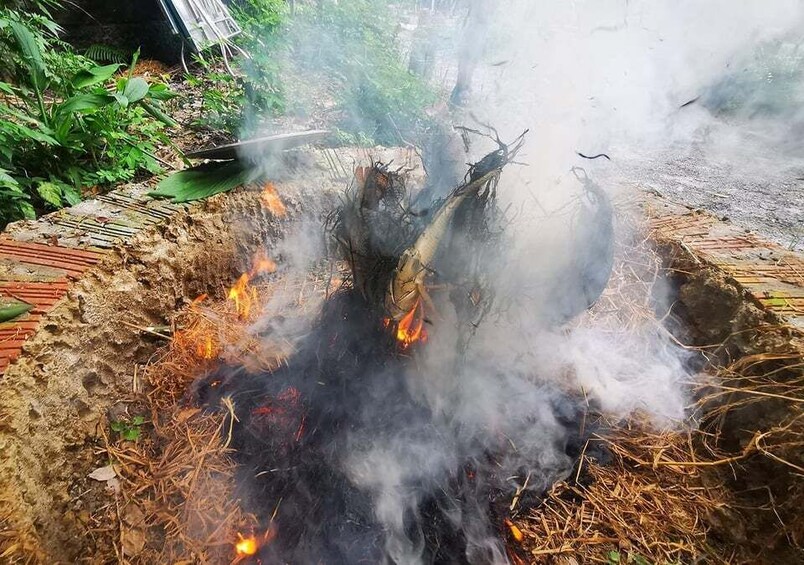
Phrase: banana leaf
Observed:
(204, 181)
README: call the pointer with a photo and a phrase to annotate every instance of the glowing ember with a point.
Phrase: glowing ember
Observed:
(411, 326)
(269, 198)
(516, 533)
(246, 546)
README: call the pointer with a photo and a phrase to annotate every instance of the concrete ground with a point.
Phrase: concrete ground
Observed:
(750, 183)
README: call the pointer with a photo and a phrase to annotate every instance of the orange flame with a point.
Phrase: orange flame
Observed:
(242, 293)
(269, 198)
(516, 533)
(198, 300)
(206, 349)
(246, 546)
(411, 326)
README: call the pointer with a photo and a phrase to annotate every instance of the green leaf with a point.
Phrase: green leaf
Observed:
(121, 99)
(94, 75)
(118, 426)
(36, 135)
(63, 125)
(70, 194)
(7, 180)
(84, 103)
(5, 87)
(138, 420)
(131, 434)
(158, 114)
(25, 117)
(203, 181)
(134, 58)
(106, 54)
(614, 556)
(50, 193)
(161, 91)
(136, 89)
(27, 210)
(11, 310)
(54, 28)
(29, 49)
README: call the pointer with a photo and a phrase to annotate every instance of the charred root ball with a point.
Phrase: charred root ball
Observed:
(373, 444)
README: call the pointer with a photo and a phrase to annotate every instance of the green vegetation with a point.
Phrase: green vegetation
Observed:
(347, 50)
(231, 103)
(67, 123)
(766, 82)
(71, 121)
(356, 46)
(204, 181)
(129, 430)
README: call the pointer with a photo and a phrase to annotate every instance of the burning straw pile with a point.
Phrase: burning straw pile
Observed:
(367, 437)
(179, 500)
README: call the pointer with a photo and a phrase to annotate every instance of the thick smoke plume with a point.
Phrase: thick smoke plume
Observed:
(501, 402)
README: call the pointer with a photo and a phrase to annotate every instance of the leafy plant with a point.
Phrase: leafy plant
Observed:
(222, 99)
(358, 48)
(65, 122)
(129, 430)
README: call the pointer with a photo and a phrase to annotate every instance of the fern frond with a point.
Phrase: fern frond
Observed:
(107, 54)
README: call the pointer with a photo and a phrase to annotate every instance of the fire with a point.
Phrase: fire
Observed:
(411, 326)
(198, 300)
(269, 198)
(242, 293)
(516, 533)
(246, 547)
(206, 349)
(197, 336)
(243, 296)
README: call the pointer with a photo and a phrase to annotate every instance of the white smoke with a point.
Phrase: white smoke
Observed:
(595, 76)
(609, 75)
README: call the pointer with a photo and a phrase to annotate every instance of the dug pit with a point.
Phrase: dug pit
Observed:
(108, 456)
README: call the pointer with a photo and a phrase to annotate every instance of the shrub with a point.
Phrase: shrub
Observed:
(65, 122)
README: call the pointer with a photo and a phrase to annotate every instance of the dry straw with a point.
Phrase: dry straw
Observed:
(656, 501)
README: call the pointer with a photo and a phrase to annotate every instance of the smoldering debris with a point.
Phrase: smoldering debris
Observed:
(389, 435)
